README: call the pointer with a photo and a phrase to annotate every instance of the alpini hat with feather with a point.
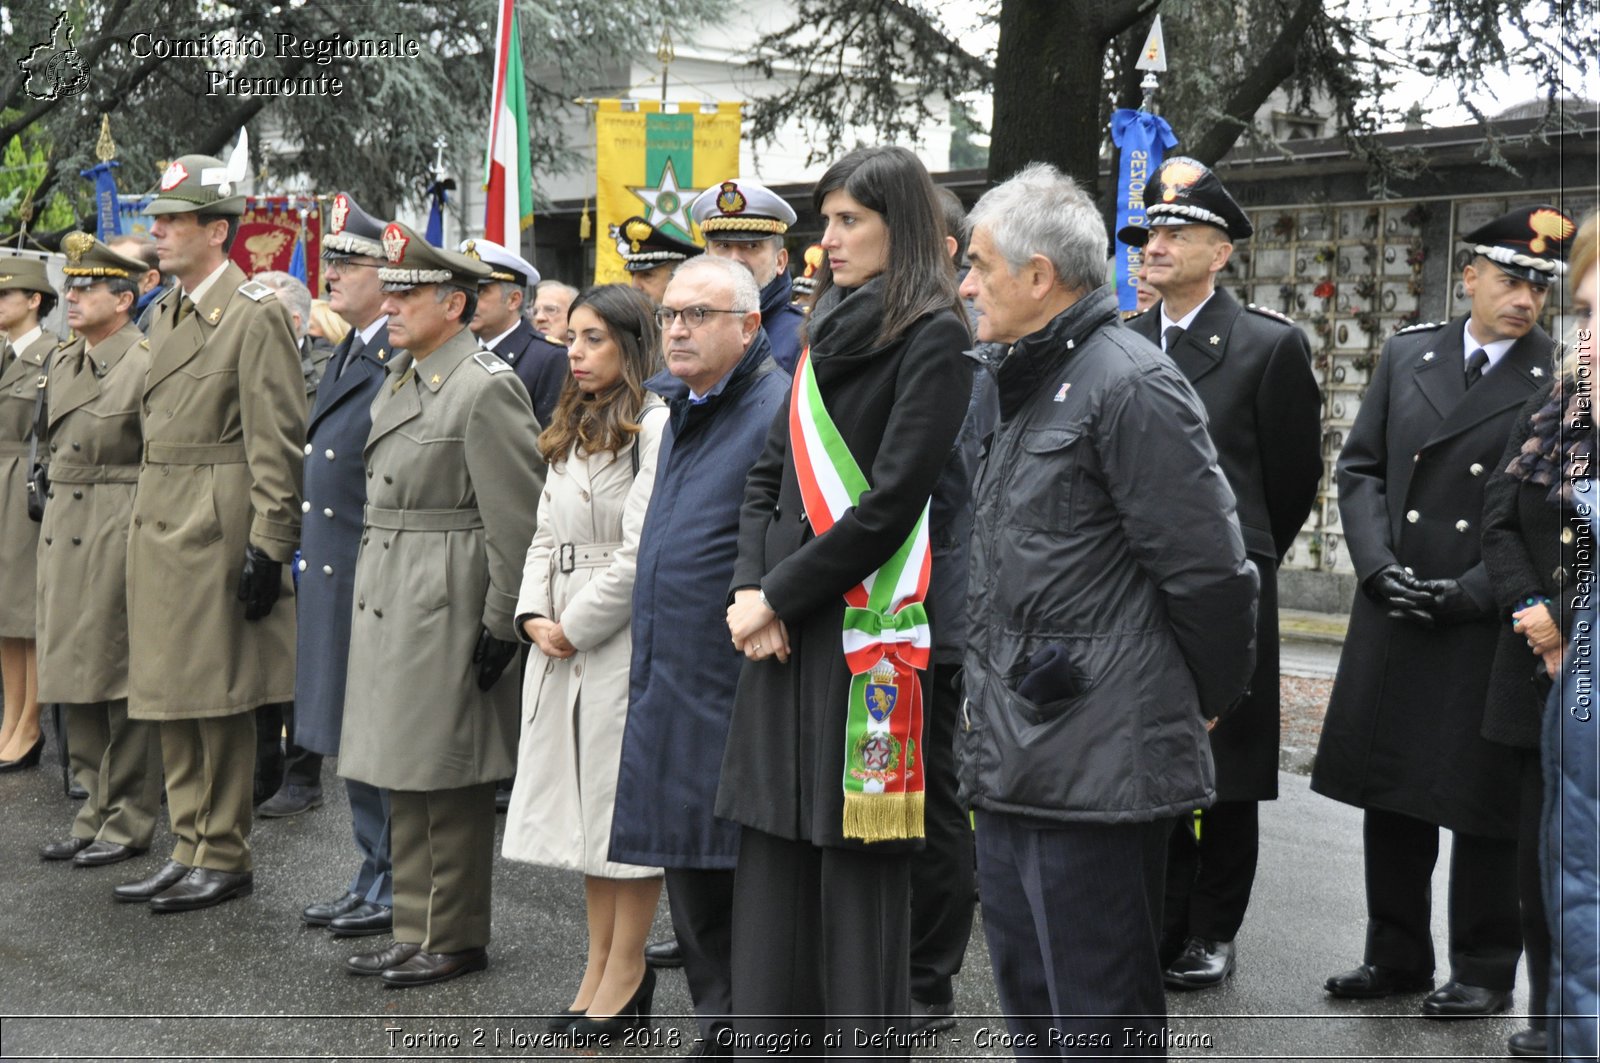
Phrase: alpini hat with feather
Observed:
(204, 184)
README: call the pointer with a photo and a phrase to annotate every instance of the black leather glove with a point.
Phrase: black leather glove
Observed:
(259, 583)
(491, 657)
(1415, 615)
(1448, 602)
(1394, 587)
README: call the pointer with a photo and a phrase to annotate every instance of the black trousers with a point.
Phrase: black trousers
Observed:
(1209, 878)
(821, 944)
(279, 762)
(1485, 935)
(701, 902)
(1530, 889)
(943, 879)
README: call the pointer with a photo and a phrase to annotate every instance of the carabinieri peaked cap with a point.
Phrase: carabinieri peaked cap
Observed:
(414, 262)
(90, 261)
(1184, 191)
(741, 210)
(504, 264)
(1530, 243)
(643, 246)
(351, 231)
(19, 273)
(196, 183)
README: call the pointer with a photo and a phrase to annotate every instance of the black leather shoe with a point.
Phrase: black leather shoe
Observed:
(426, 968)
(377, 962)
(363, 921)
(1202, 964)
(931, 1018)
(170, 874)
(562, 1021)
(102, 853)
(502, 800)
(328, 911)
(1369, 981)
(664, 953)
(63, 850)
(1529, 1042)
(291, 800)
(1456, 1000)
(77, 792)
(203, 887)
(30, 759)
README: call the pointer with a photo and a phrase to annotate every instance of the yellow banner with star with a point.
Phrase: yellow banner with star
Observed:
(653, 159)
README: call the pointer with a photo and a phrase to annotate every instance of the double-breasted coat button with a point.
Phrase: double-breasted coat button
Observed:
(77, 446)
(77, 494)
(1475, 469)
(577, 670)
(48, 540)
(161, 525)
(361, 603)
(138, 522)
(369, 475)
(388, 479)
(327, 513)
(328, 454)
(308, 450)
(53, 448)
(1461, 525)
(77, 540)
(1566, 535)
(327, 570)
(377, 612)
(1413, 516)
(305, 507)
(583, 495)
(302, 564)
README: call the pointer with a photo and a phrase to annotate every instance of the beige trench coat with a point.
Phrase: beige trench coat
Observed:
(579, 571)
(453, 482)
(94, 443)
(19, 536)
(224, 422)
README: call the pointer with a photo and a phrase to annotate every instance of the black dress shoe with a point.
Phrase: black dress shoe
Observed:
(203, 887)
(932, 1018)
(377, 962)
(561, 1021)
(1202, 964)
(1457, 1000)
(1369, 981)
(1529, 1042)
(291, 800)
(30, 759)
(328, 911)
(363, 921)
(664, 953)
(170, 874)
(426, 968)
(63, 850)
(102, 853)
(77, 792)
(590, 1032)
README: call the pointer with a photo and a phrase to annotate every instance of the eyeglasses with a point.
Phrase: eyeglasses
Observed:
(693, 316)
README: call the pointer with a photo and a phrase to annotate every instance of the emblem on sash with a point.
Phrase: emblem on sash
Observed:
(882, 693)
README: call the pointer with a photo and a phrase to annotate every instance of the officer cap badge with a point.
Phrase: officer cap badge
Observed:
(1550, 226)
(637, 231)
(340, 211)
(394, 243)
(1530, 243)
(75, 245)
(1179, 175)
(731, 200)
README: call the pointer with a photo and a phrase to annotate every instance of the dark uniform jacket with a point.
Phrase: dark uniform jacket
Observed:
(782, 320)
(1252, 370)
(540, 365)
(1404, 726)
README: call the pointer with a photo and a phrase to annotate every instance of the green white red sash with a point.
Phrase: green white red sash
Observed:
(886, 637)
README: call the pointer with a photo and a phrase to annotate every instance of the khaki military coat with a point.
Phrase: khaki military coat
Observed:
(453, 485)
(19, 536)
(224, 421)
(94, 443)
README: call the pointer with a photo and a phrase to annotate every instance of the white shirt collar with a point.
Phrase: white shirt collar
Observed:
(1185, 321)
(205, 285)
(1496, 350)
(372, 329)
(24, 341)
(494, 344)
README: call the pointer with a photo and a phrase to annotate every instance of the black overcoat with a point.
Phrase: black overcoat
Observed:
(1403, 731)
(330, 536)
(898, 408)
(539, 364)
(1252, 370)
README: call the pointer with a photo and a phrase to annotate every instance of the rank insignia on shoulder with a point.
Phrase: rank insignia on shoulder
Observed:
(145, 344)
(490, 362)
(1267, 311)
(215, 315)
(255, 290)
(1422, 327)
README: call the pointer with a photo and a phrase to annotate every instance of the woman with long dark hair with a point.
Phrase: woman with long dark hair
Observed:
(575, 607)
(823, 767)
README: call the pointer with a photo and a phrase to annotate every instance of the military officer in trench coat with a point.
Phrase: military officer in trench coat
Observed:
(1403, 735)
(93, 440)
(1251, 368)
(216, 516)
(453, 485)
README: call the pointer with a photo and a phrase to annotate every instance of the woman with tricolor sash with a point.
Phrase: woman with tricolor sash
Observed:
(823, 769)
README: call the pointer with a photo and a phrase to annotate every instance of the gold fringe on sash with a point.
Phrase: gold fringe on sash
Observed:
(883, 817)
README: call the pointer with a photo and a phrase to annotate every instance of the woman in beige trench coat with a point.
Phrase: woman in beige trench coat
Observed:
(575, 607)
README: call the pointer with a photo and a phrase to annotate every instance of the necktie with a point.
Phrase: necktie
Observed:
(1171, 337)
(357, 346)
(185, 308)
(1476, 362)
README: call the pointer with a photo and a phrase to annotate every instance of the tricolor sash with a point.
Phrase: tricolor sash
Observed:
(886, 637)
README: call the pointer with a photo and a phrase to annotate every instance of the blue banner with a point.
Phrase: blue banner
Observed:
(108, 220)
(435, 233)
(297, 263)
(1144, 140)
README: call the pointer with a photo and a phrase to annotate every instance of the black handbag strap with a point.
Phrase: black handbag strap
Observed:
(40, 414)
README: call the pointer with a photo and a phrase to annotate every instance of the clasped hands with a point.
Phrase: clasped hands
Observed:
(1426, 602)
(1535, 624)
(757, 632)
(549, 637)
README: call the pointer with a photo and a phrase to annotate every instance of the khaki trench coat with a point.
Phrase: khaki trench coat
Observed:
(453, 482)
(224, 421)
(94, 443)
(580, 571)
(19, 536)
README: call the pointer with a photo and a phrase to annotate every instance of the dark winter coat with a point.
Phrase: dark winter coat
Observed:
(1404, 726)
(540, 365)
(685, 670)
(781, 320)
(950, 523)
(898, 407)
(1108, 581)
(1252, 370)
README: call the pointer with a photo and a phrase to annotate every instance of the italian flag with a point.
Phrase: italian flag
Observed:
(508, 177)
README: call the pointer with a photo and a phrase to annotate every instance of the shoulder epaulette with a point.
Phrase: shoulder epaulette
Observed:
(255, 290)
(551, 339)
(1267, 311)
(1422, 327)
(1136, 315)
(145, 344)
(490, 362)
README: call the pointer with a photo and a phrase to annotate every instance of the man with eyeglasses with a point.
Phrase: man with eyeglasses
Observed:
(336, 492)
(723, 390)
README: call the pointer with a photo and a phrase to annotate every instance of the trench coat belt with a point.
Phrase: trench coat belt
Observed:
(9, 449)
(62, 472)
(427, 520)
(571, 556)
(194, 453)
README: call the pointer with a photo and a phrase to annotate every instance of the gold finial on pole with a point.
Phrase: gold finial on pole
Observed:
(666, 55)
(105, 149)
